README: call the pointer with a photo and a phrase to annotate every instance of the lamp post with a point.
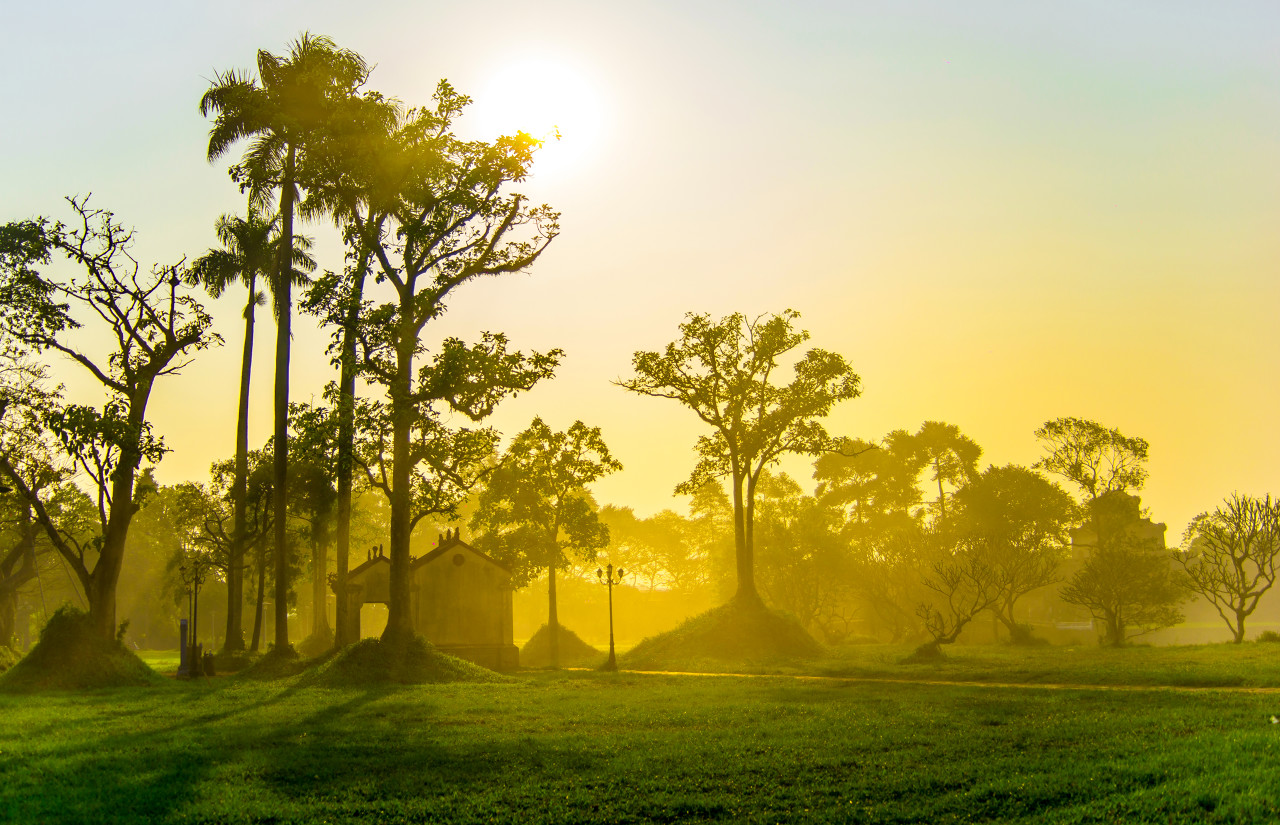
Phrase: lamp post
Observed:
(193, 568)
(608, 578)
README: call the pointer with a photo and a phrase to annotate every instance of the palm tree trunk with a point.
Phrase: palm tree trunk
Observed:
(239, 490)
(281, 462)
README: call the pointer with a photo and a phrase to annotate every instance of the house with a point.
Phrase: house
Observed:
(459, 599)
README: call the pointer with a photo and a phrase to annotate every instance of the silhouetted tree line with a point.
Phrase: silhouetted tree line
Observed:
(902, 537)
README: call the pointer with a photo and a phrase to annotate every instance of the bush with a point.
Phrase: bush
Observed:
(72, 655)
(925, 654)
(1269, 636)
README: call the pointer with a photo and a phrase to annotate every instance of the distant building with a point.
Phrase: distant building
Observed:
(459, 599)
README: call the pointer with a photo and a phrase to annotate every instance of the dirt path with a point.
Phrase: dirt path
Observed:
(885, 680)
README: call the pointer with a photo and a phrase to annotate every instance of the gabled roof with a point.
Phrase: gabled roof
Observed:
(451, 541)
(363, 566)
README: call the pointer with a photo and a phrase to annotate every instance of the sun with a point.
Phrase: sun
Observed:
(550, 99)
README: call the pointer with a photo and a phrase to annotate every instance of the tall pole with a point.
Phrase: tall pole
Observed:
(612, 663)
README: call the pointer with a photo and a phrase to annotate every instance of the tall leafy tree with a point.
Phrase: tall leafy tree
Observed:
(1019, 523)
(1096, 459)
(950, 455)
(725, 370)
(250, 249)
(152, 330)
(1127, 581)
(1231, 555)
(288, 108)
(448, 220)
(536, 509)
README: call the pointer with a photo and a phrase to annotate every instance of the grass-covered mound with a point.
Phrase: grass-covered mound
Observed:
(410, 661)
(72, 655)
(573, 651)
(276, 663)
(740, 633)
(317, 644)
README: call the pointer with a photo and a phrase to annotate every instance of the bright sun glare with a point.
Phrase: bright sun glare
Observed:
(543, 97)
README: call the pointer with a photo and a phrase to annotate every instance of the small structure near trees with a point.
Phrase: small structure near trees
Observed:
(459, 599)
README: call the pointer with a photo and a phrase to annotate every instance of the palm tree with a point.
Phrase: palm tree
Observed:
(249, 249)
(289, 107)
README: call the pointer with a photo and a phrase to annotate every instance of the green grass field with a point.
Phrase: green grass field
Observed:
(590, 747)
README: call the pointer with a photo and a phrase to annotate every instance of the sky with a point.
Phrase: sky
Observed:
(998, 212)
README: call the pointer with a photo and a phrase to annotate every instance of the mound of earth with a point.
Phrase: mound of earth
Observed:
(276, 663)
(740, 632)
(412, 661)
(925, 654)
(573, 651)
(317, 644)
(72, 655)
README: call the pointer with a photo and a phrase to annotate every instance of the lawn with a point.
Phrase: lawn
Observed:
(590, 747)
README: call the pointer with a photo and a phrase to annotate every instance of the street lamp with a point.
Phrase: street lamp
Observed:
(193, 568)
(608, 578)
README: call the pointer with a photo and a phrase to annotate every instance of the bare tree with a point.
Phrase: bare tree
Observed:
(1230, 556)
(152, 330)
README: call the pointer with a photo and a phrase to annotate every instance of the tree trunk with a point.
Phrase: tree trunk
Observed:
(399, 620)
(1238, 630)
(101, 588)
(239, 490)
(18, 567)
(553, 619)
(319, 590)
(281, 458)
(346, 452)
(256, 643)
(744, 537)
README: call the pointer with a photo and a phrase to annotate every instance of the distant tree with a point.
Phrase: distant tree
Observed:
(536, 510)
(1019, 523)
(1127, 582)
(872, 481)
(1096, 459)
(962, 583)
(724, 371)
(150, 328)
(661, 551)
(951, 455)
(877, 485)
(249, 249)
(1230, 556)
(289, 107)
(313, 499)
(806, 566)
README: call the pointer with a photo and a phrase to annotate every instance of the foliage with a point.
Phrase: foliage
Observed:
(1127, 582)
(1096, 459)
(806, 565)
(535, 509)
(1230, 556)
(152, 329)
(1018, 523)
(724, 371)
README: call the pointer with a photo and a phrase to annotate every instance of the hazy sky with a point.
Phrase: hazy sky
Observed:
(999, 212)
